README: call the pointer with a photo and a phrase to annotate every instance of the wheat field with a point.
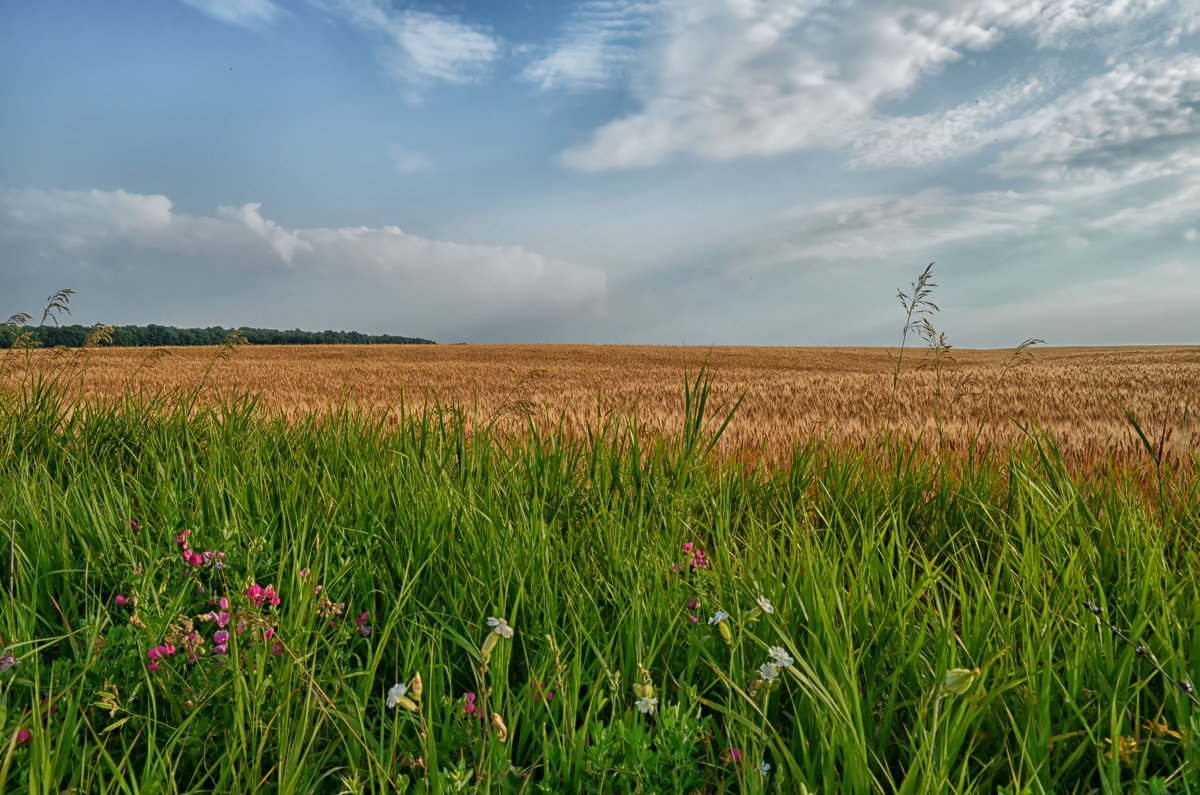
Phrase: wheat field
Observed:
(790, 394)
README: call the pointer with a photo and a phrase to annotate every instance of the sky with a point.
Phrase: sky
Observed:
(699, 172)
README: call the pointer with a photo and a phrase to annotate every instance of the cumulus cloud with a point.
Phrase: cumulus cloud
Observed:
(247, 13)
(595, 46)
(418, 48)
(729, 79)
(122, 245)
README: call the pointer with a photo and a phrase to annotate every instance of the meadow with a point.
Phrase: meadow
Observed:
(543, 570)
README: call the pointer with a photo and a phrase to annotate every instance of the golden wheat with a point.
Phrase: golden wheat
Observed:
(791, 394)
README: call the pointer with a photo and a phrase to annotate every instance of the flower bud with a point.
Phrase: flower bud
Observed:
(416, 687)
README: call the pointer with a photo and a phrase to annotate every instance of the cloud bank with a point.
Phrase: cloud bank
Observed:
(122, 246)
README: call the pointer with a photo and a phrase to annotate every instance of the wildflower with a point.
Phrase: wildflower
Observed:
(734, 755)
(688, 547)
(692, 603)
(219, 564)
(134, 526)
(1158, 728)
(646, 704)
(695, 619)
(768, 671)
(220, 641)
(361, 621)
(765, 768)
(1125, 749)
(719, 621)
(399, 695)
(469, 707)
(121, 600)
(501, 729)
(304, 573)
(780, 657)
(540, 691)
(23, 736)
(959, 680)
(277, 649)
(181, 539)
(8, 661)
(258, 595)
(500, 629)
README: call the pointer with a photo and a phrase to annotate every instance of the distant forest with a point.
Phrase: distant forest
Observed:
(154, 336)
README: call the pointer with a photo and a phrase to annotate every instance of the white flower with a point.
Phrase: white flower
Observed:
(764, 768)
(718, 617)
(395, 694)
(500, 627)
(768, 671)
(766, 605)
(646, 704)
(780, 657)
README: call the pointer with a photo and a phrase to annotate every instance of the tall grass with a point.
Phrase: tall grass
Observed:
(883, 581)
(205, 596)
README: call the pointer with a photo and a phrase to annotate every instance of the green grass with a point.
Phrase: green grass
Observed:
(884, 571)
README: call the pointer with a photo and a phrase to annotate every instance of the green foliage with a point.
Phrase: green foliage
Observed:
(152, 335)
(884, 587)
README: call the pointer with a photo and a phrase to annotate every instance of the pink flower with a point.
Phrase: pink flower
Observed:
(121, 600)
(687, 547)
(469, 707)
(23, 736)
(363, 628)
(695, 619)
(692, 603)
(134, 526)
(277, 648)
(182, 538)
(258, 595)
(735, 755)
(220, 641)
(304, 573)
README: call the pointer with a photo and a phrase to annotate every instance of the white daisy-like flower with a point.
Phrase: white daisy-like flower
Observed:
(500, 627)
(646, 704)
(765, 768)
(768, 671)
(766, 605)
(718, 617)
(780, 657)
(395, 694)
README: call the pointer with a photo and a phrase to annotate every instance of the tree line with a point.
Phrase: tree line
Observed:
(153, 335)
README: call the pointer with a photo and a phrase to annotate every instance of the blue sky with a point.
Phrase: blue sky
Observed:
(761, 172)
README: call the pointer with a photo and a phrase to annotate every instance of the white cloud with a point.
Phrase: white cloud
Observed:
(408, 161)
(595, 46)
(247, 13)
(1139, 118)
(282, 242)
(126, 245)
(417, 48)
(738, 78)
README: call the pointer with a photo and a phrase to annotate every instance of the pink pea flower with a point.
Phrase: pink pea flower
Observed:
(735, 754)
(687, 547)
(695, 619)
(692, 603)
(469, 707)
(304, 573)
(121, 600)
(23, 736)
(182, 538)
(258, 595)
(277, 648)
(134, 526)
(363, 628)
